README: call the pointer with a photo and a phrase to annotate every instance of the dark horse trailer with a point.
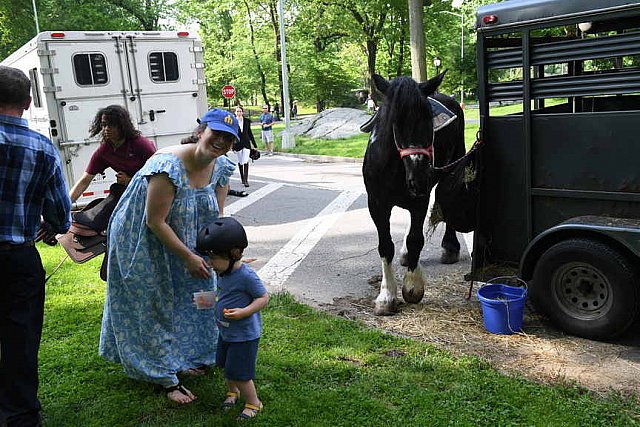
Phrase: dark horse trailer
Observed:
(560, 188)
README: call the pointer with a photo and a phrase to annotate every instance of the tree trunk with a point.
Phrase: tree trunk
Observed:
(416, 28)
(263, 78)
(276, 30)
(372, 53)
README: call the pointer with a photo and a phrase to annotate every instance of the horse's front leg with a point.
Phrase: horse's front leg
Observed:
(413, 283)
(450, 246)
(387, 302)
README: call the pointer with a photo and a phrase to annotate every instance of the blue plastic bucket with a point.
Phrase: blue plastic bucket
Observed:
(502, 307)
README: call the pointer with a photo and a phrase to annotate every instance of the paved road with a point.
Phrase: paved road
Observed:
(309, 227)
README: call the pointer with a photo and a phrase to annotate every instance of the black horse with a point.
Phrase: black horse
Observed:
(409, 140)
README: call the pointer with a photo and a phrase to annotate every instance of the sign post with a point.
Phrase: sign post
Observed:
(228, 91)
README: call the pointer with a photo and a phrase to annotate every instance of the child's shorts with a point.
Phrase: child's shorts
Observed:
(238, 359)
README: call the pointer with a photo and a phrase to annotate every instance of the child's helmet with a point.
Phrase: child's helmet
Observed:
(221, 236)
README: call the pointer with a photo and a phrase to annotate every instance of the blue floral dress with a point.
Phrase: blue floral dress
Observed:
(149, 323)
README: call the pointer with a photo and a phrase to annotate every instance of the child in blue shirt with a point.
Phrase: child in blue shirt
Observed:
(241, 296)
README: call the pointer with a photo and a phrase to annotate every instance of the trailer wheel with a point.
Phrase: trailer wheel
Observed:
(586, 288)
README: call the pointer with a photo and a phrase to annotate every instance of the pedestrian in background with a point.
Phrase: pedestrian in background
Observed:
(241, 296)
(32, 186)
(242, 147)
(276, 112)
(266, 121)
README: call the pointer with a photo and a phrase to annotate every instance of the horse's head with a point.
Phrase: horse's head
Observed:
(405, 124)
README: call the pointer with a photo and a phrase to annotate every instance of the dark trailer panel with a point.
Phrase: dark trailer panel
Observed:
(566, 168)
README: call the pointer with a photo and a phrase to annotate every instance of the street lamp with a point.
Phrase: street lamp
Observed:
(35, 16)
(461, 16)
(436, 63)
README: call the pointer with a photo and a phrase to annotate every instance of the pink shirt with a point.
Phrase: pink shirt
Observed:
(127, 158)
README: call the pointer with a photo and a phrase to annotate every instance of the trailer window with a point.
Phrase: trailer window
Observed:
(35, 88)
(163, 67)
(90, 69)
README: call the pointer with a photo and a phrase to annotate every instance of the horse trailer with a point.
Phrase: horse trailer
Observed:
(158, 76)
(559, 179)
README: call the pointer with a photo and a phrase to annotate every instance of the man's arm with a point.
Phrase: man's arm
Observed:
(56, 209)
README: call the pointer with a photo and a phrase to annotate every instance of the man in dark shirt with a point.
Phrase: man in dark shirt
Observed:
(31, 186)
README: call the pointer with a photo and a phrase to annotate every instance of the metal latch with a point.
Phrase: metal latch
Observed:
(152, 114)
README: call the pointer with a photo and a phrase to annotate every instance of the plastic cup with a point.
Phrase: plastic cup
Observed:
(204, 299)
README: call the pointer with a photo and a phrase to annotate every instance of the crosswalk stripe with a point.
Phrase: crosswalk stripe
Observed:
(253, 197)
(278, 269)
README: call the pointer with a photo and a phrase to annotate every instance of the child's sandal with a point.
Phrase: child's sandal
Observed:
(253, 410)
(227, 404)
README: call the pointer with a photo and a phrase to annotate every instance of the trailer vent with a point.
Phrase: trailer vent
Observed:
(90, 69)
(163, 67)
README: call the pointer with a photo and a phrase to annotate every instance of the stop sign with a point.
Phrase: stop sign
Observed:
(228, 91)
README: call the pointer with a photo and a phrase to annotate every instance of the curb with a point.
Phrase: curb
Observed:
(313, 158)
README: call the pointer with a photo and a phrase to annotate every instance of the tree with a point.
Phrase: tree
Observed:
(369, 17)
(17, 21)
(416, 25)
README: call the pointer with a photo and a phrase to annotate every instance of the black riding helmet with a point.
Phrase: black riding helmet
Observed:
(221, 236)
(224, 237)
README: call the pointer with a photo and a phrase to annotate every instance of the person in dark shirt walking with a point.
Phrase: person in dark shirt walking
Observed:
(32, 186)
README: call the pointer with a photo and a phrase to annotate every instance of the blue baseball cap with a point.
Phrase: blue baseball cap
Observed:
(221, 120)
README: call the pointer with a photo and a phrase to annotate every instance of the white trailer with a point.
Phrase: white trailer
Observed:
(158, 76)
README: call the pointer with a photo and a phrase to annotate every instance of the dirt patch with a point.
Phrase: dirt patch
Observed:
(541, 353)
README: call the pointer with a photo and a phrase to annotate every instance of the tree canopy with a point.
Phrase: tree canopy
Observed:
(333, 46)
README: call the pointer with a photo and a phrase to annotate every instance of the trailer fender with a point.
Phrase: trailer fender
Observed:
(622, 234)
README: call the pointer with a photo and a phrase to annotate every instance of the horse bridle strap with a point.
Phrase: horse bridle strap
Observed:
(404, 152)
(427, 151)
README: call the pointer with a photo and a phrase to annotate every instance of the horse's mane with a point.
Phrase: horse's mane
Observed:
(404, 105)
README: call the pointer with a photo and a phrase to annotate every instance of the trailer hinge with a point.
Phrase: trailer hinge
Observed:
(49, 71)
(198, 65)
(47, 89)
(196, 49)
(199, 81)
(44, 52)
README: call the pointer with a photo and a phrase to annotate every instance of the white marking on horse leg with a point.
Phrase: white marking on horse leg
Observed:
(413, 286)
(387, 302)
(405, 251)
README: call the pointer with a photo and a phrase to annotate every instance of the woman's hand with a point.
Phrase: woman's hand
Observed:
(198, 267)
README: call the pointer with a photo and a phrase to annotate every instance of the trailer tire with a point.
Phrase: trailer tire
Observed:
(586, 288)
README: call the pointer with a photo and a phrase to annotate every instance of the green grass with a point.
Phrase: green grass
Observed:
(313, 370)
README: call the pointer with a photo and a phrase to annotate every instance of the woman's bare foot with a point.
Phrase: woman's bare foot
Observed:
(179, 394)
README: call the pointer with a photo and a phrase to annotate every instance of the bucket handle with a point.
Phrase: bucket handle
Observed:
(525, 286)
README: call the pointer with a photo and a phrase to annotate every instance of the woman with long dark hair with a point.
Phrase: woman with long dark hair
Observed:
(122, 148)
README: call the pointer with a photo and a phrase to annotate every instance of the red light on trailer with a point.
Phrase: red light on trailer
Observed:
(57, 35)
(489, 19)
(183, 34)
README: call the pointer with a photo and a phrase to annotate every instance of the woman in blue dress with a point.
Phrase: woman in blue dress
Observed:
(150, 325)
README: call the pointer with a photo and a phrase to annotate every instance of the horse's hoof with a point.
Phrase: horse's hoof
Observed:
(412, 296)
(388, 309)
(449, 257)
